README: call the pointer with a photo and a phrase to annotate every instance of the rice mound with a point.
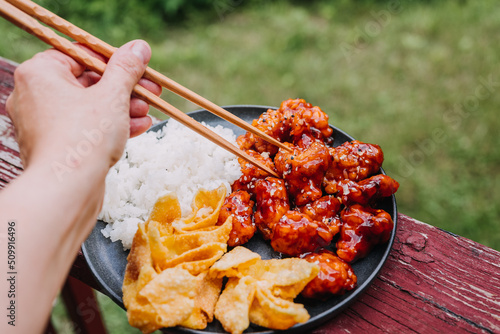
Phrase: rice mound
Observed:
(175, 159)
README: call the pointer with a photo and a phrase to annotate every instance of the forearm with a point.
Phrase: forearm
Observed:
(58, 108)
(45, 206)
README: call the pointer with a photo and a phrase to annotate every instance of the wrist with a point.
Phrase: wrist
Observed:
(73, 165)
(53, 219)
(76, 191)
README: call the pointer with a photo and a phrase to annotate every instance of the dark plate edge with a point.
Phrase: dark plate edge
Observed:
(299, 328)
(106, 289)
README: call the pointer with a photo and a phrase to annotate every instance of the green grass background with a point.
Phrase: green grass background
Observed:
(421, 79)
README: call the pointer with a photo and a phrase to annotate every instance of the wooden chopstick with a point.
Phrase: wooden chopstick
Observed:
(107, 50)
(32, 26)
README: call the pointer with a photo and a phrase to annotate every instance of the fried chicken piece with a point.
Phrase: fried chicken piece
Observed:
(272, 204)
(305, 141)
(252, 173)
(303, 118)
(271, 122)
(325, 209)
(239, 205)
(296, 233)
(303, 170)
(366, 191)
(335, 276)
(362, 229)
(289, 122)
(353, 161)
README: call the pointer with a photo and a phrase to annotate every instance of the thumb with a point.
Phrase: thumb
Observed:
(125, 68)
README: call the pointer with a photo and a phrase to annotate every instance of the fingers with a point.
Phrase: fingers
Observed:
(138, 108)
(125, 68)
(55, 62)
(50, 66)
(139, 125)
(92, 52)
(151, 86)
(55, 58)
(88, 78)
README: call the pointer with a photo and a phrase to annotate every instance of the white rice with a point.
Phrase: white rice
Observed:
(175, 159)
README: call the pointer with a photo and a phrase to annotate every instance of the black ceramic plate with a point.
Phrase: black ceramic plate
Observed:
(107, 260)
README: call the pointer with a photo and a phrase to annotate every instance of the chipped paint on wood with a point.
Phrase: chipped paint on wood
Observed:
(433, 282)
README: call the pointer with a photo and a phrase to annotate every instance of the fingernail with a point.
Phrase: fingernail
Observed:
(141, 50)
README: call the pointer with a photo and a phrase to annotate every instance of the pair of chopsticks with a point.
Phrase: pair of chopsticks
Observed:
(23, 14)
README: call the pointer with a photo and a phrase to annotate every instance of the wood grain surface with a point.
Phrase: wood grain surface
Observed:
(433, 282)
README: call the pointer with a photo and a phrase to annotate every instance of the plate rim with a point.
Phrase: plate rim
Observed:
(314, 321)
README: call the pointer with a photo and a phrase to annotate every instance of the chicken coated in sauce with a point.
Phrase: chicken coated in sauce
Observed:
(296, 233)
(303, 118)
(353, 161)
(325, 209)
(362, 229)
(251, 173)
(335, 276)
(240, 206)
(366, 191)
(288, 123)
(319, 194)
(272, 203)
(303, 170)
(271, 122)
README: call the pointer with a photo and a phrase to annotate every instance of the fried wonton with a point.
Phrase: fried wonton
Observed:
(261, 291)
(166, 279)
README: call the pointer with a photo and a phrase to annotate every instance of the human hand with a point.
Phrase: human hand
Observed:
(64, 114)
(71, 126)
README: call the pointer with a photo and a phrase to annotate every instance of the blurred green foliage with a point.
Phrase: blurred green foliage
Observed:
(419, 78)
(120, 20)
